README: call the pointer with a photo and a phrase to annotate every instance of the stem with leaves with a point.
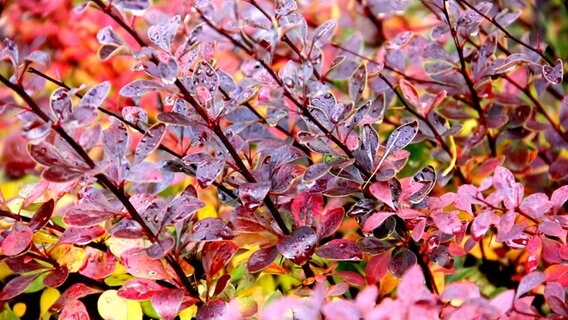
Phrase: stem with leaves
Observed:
(103, 180)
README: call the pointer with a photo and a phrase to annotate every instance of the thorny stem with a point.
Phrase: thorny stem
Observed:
(204, 115)
(103, 180)
(471, 86)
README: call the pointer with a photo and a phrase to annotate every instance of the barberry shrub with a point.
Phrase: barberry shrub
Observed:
(283, 159)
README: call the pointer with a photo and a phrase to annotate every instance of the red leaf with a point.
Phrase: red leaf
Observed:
(350, 277)
(330, 222)
(99, 264)
(16, 286)
(73, 293)
(138, 264)
(216, 255)
(409, 92)
(340, 249)
(306, 207)
(261, 259)
(74, 310)
(167, 303)
(298, 246)
(42, 215)
(376, 220)
(56, 277)
(221, 284)
(139, 289)
(17, 240)
(377, 267)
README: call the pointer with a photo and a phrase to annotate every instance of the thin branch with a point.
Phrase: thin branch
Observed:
(507, 33)
(471, 86)
(103, 180)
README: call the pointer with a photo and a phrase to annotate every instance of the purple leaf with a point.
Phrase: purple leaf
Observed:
(127, 229)
(182, 208)
(56, 277)
(402, 260)
(208, 171)
(163, 35)
(167, 303)
(554, 74)
(340, 249)
(298, 246)
(115, 140)
(535, 205)
(81, 236)
(149, 141)
(18, 239)
(96, 95)
(210, 229)
(204, 75)
(212, 310)
(16, 286)
(324, 32)
(358, 82)
(285, 7)
(504, 301)
(60, 102)
(22, 264)
(373, 246)
(529, 282)
(86, 214)
(134, 5)
(139, 289)
(252, 194)
(159, 249)
(504, 181)
(427, 177)
(137, 88)
(559, 197)
(410, 93)
(261, 259)
(401, 137)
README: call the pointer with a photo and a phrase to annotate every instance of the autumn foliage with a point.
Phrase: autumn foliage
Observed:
(252, 159)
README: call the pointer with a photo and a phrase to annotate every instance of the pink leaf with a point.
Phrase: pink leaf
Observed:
(74, 310)
(99, 264)
(410, 93)
(56, 277)
(330, 222)
(138, 264)
(504, 181)
(306, 207)
(252, 194)
(17, 240)
(340, 249)
(81, 236)
(167, 303)
(504, 301)
(149, 141)
(139, 289)
(382, 191)
(72, 293)
(536, 205)
(376, 220)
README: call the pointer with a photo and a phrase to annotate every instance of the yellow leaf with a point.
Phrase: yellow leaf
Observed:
(188, 313)
(47, 299)
(70, 256)
(111, 306)
(19, 309)
(439, 280)
(389, 283)
(207, 212)
(5, 271)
